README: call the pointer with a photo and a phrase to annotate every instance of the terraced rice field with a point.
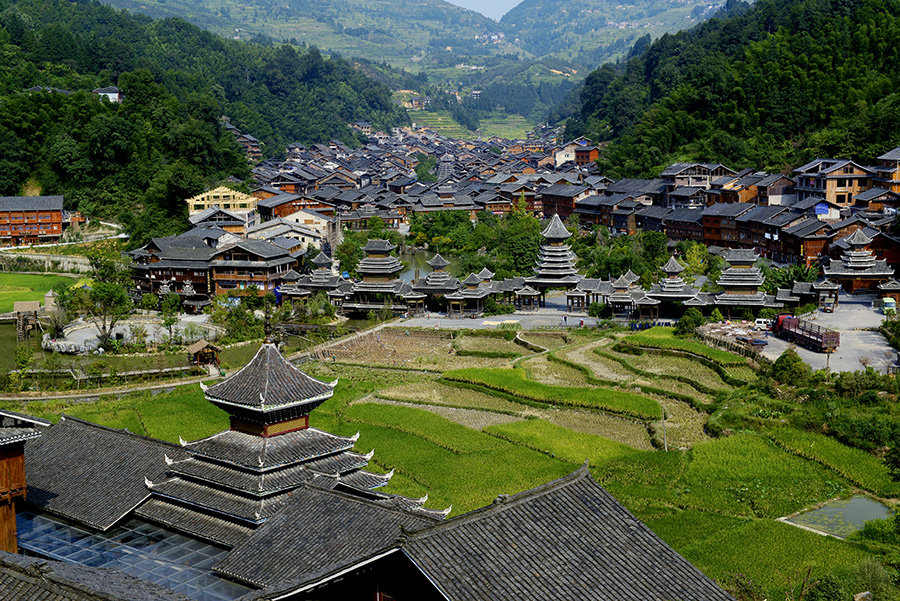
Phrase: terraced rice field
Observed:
(471, 418)
(541, 369)
(490, 345)
(410, 349)
(436, 393)
(549, 340)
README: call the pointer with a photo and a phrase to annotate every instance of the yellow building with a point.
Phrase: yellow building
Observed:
(222, 197)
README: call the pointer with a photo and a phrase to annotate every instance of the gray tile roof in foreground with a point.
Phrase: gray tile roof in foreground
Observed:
(31, 203)
(568, 539)
(338, 529)
(30, 579)
(92, 474)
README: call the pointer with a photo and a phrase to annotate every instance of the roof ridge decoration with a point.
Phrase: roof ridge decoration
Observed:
(858, 238)
(556, 230)
(672, 266)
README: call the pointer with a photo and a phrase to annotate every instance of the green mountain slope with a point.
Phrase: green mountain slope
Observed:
(139, 160)
(595, 31)
(770, 86)
(388, 30)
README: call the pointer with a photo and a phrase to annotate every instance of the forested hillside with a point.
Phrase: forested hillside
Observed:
(591, 32)
(768, 86)
(138, 160)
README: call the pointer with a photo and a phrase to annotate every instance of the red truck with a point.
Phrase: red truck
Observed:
(805, 333)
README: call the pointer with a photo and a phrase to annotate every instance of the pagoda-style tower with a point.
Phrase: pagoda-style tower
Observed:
(237, 479)
(556, 262)
(379, 265)
(858, 268)
(380, 284)
(438, 281)
(741, 281)
(12, 477)
(672, 287)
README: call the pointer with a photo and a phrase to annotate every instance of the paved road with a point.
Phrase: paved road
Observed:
(859, 346)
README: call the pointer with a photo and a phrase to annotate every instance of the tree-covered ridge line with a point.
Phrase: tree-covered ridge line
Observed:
(138, 160)
(771, 86)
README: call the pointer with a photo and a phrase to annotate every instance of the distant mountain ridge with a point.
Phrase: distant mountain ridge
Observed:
(409, 33)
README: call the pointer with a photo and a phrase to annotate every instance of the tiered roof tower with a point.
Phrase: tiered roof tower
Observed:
(672, 287)
(858, 267)
(438, 281)
(556, 262)
(235, 480)
(741, 281)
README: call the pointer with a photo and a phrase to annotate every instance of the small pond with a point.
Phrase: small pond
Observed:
(418, 261)
(843, 517)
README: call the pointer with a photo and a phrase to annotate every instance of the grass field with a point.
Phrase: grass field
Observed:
(665, 339)
(20, 287)
(513, 382)
(513, 127)
(715, 502)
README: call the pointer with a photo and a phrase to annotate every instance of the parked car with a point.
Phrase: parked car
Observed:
(828, 307)
(763, 324)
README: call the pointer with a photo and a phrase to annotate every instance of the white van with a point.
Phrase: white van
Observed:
(763, 324)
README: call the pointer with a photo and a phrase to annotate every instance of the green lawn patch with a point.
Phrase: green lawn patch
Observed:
(855, 465)
(746, 475)
(513, 382)
(452, 463)
(665, 339)
(564, 443)
(771, 554)
(21, 287)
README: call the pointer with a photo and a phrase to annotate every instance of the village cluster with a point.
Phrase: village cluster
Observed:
(834, 212)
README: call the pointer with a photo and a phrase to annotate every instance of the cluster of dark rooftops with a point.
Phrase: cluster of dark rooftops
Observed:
(275, 509)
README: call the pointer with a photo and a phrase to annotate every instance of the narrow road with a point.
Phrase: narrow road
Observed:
(93, 394)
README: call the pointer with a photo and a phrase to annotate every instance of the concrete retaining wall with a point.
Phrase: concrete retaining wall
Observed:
(57, 263)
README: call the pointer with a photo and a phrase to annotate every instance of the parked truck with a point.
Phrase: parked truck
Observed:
(805, 333)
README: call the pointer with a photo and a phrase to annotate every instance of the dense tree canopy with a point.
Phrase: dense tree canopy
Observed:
(768, 86)
(139, 160)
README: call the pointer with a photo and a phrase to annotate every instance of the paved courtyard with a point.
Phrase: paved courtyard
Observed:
(854, 318)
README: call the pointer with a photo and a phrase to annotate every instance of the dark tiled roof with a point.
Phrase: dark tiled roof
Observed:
(31, 203)
(380, 246)
(891, 155)
(568, 539)
(556, 230)
(269, 381)
(258, 453)
(209, 528)
(10, 436)
(727, 209)
(337, 529)
(92, 474)
(30, 579)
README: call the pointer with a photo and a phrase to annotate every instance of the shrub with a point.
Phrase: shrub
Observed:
(599, 310)
(492, 307)
(689, 322)
(789, 368)
(716, 315)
